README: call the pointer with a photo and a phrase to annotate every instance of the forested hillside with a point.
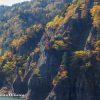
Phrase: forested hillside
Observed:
(50, 49)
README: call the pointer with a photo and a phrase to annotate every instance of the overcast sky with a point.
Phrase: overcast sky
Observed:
(10, 2)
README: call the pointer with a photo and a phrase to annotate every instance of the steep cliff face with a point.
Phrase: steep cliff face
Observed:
(75, 28)
(59, 60)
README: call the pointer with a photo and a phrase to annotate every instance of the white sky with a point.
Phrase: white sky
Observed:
(10, 2)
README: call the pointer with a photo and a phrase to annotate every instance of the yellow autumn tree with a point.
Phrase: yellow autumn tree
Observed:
(82, 53)
(59, 44)
(56, 21)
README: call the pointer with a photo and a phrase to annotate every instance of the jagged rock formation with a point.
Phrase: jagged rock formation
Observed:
(2, 78)
(20, 86)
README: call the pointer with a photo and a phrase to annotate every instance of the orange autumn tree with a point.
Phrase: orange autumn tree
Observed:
(97, 49)
(18, 41)
(95, 11)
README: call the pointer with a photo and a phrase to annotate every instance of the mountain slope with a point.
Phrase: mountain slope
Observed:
(56, 60)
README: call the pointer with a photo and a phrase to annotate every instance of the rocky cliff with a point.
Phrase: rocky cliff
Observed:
(58, 60)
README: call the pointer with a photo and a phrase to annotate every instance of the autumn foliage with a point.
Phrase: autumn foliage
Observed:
(95, 11)
(18, 41)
